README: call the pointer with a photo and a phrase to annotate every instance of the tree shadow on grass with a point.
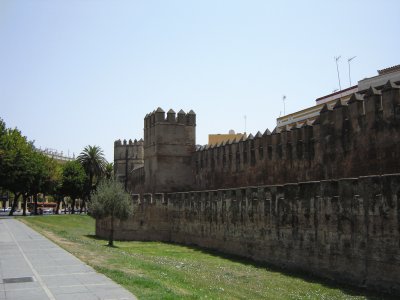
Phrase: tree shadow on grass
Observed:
(293, 273)
(95, 237)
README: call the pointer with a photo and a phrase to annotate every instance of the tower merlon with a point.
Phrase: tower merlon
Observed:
(171, 116)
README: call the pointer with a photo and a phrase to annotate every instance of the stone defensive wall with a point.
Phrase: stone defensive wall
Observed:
(355, 139)
(137, 180)
(347, 230)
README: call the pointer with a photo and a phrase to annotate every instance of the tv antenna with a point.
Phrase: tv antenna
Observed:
(349, 60)
(245, 123)
(284, 106)
(337, 68)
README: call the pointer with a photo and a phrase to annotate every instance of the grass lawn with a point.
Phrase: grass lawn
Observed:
(152, 270)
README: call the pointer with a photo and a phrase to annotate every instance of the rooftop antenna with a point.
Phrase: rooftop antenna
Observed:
(337, 68)
(245, 123)
(349, 60)
(284, 107)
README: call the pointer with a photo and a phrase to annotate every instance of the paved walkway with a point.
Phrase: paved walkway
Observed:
(32, 267)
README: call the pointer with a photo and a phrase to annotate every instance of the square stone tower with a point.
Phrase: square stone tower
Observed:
(127, 157)
(169, 143)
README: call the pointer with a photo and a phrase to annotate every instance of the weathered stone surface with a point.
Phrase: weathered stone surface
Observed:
(128, 156)
(358, 139)
(314, 197)
(346, 230)
(168, 148)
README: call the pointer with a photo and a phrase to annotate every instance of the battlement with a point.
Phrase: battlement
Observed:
(128, 155)
(385, 100)
(158, 116)
(350, 139)
(125, 143)
(360, 137)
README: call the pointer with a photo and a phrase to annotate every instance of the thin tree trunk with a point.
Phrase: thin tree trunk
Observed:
(83, 202)
(15, 203)
(24, 198)
(73, 206)
(111, 237)
(91, 187)
(35, 204)
(58, 205)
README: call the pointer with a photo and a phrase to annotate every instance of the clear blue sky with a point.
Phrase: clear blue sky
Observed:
(77, 73)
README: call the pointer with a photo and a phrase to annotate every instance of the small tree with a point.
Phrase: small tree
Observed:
(110, 200)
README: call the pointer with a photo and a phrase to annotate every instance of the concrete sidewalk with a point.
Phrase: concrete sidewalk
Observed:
(32, 267)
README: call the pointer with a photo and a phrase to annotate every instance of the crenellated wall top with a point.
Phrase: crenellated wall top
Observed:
(354, 108)
(158, 116)
(135, 142)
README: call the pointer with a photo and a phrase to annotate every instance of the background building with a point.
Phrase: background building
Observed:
(311, 113)
(215, 139)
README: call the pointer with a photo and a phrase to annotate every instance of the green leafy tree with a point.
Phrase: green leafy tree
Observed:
(73, 181)
(55, 183)
(47, 177)
(3, 133)
(110, 200)
(23, 170)
(2, 128)
(38, 175)
(17, 166)
(53, 179)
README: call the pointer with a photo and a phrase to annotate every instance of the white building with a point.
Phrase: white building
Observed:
(310, 114)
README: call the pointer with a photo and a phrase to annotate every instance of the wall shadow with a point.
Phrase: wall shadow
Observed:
(299, 274)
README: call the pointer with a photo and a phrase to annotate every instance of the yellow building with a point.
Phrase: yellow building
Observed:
(214, 139)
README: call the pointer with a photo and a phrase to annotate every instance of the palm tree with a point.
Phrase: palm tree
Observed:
(93, 162)
(109, 170)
